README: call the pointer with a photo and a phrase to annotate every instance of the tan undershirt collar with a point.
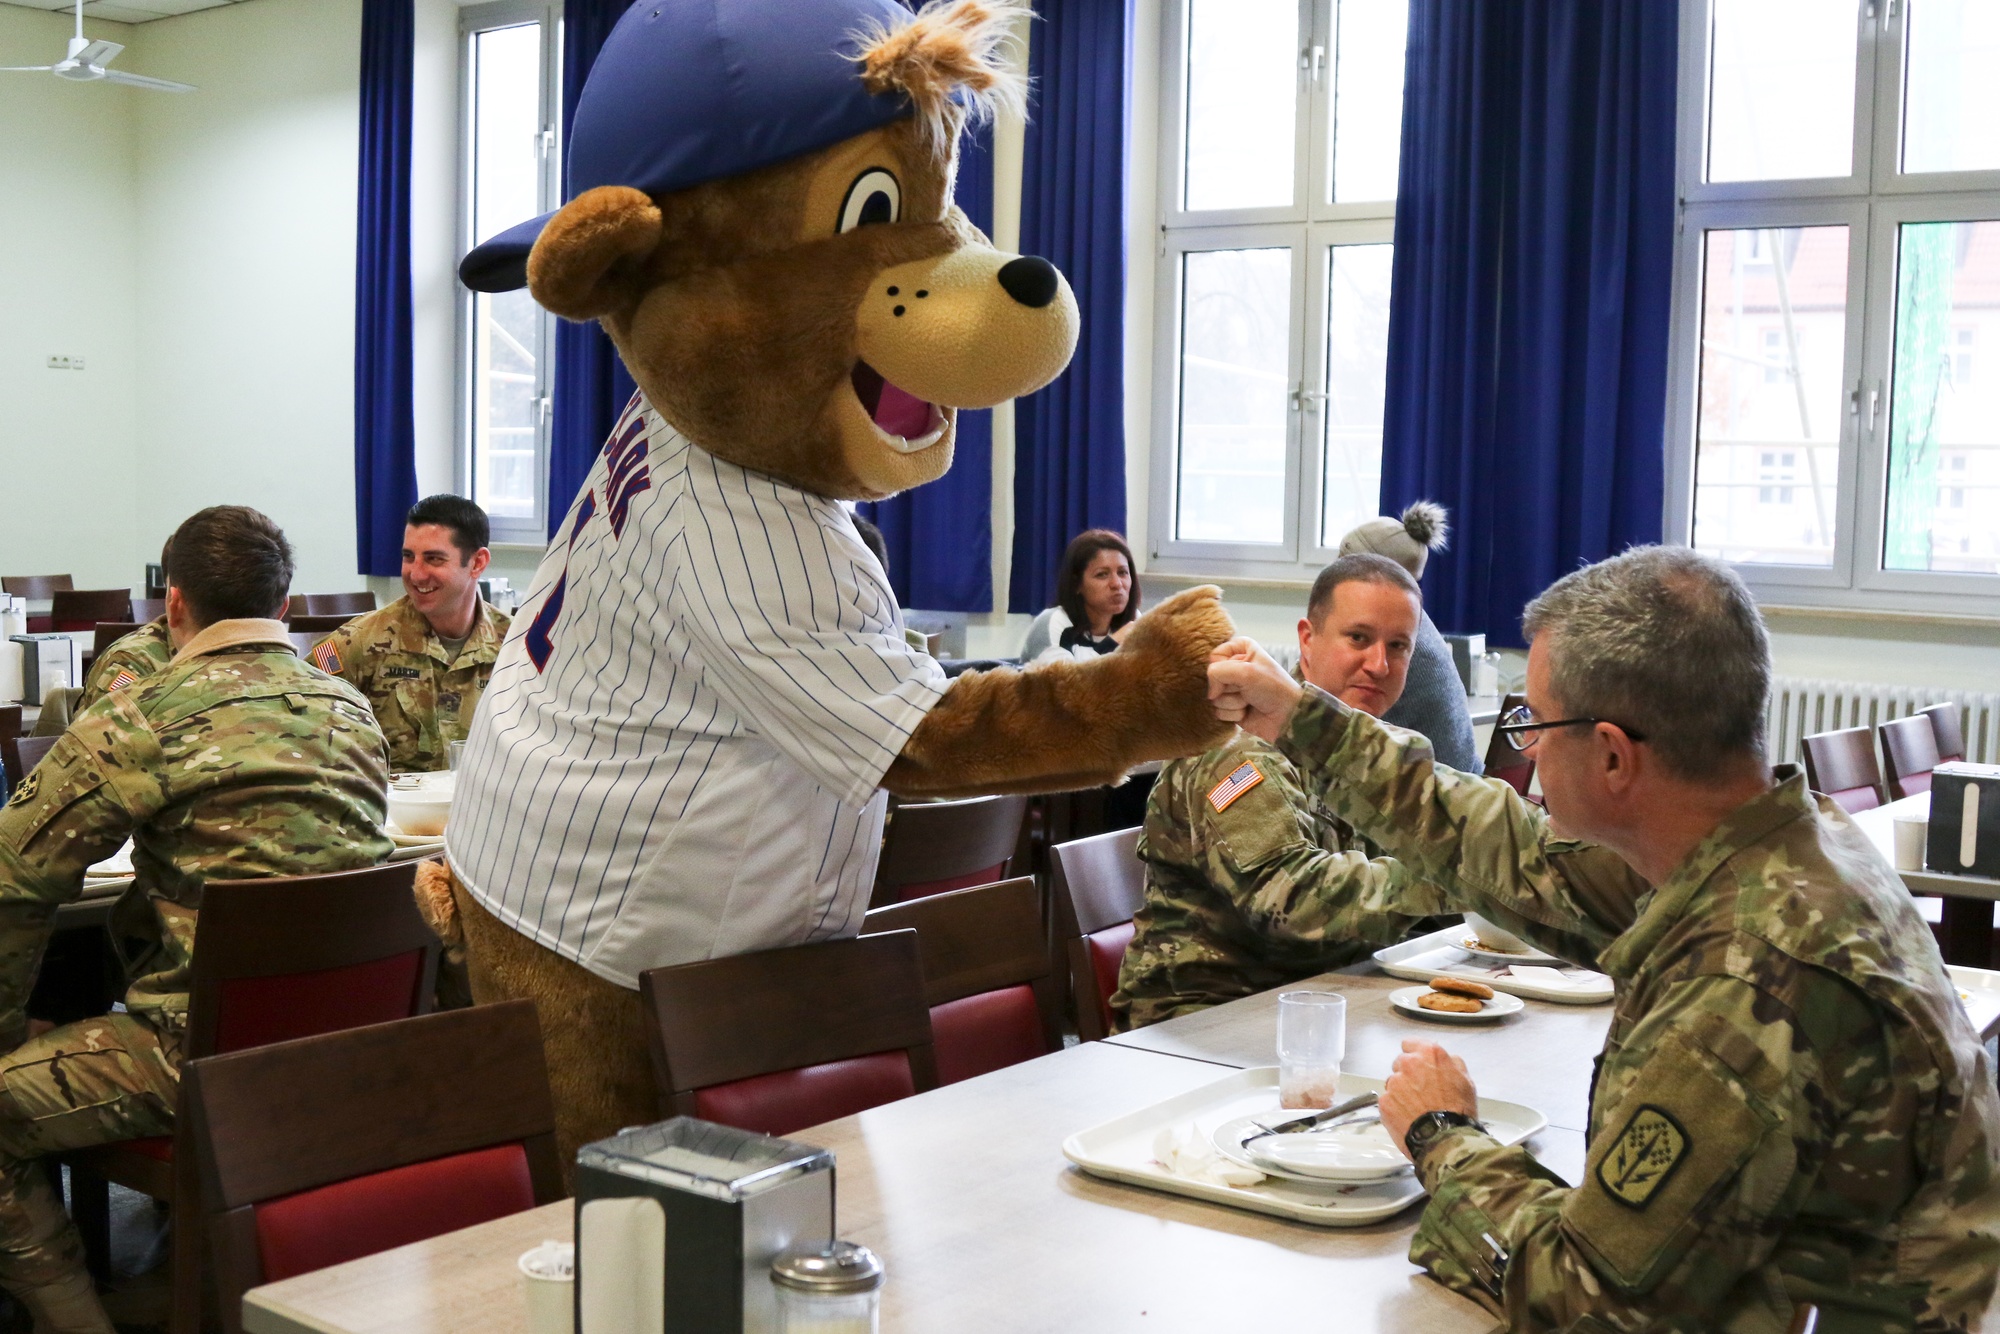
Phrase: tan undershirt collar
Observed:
(236, 634)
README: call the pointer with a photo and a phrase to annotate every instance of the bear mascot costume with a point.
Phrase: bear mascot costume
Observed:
(684, 748)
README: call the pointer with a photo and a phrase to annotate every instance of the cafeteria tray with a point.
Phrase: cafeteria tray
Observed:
(1436, 955)
(1122, 1150)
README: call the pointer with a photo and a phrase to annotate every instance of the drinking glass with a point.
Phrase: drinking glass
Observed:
(1312, 1039)
(455, 754)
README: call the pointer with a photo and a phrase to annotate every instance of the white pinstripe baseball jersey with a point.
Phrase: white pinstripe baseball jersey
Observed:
(679, 752)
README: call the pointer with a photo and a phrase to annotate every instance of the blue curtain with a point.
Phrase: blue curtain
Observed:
(940, 536)
(591, 384)
(385, 420)
(1069, 442)
(1528, 320)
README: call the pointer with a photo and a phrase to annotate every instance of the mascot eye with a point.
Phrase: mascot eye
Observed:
(874, 197)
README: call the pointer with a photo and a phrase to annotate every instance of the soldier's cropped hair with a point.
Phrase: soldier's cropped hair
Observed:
(1362, 567)
(1665, 641)
(230, 562)
(469, 529)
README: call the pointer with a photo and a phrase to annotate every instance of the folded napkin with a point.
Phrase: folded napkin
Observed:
(1554, 977)
(118, 863)
(1186, 1152)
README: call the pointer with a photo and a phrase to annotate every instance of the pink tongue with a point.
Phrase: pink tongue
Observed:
(900, 413)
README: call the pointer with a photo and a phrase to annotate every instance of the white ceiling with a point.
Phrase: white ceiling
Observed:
(124, 11)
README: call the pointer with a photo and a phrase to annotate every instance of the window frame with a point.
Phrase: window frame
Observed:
(531, 530)
(1872, 201)
(1309, 226)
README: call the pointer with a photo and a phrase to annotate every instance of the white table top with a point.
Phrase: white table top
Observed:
(1879, 825)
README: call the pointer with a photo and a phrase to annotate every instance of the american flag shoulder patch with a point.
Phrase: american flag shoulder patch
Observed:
(120, 681)
(1245, 777)
(326, 657)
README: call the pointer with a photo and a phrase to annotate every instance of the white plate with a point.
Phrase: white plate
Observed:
(403, 840)
(1468, 942)
(1499, 1006)
(1357, 1150)
(1438, 955)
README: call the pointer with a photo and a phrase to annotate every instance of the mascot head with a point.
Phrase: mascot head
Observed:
(761, 217)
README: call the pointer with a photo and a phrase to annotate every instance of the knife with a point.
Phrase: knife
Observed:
(1315, 1120)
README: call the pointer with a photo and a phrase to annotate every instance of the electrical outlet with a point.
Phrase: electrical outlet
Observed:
(60, 363)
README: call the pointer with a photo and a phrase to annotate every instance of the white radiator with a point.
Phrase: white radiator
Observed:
(1801, 707)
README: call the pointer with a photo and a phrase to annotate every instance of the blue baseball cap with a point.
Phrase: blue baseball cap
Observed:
(686, 91)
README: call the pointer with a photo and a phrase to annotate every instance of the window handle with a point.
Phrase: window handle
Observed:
(1304, 399)
(1313, 59)
(1874, 401)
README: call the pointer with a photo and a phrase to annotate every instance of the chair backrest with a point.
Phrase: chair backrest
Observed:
(1909, 753)
(986, 974)
(83, 608)
(1950, 737)
(932, 847)
(11, 771)
(28, 752)
(149, 608)
(782, 1039)
(1097, 884)
(1841, 765)
(110, 632)
(35, 587)
(325, 1149)
(344, 605)
(1502, 760)
(291, 957)
(317, 625)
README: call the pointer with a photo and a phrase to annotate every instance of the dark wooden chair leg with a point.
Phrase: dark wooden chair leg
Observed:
(90, 1210)
(190, 1241)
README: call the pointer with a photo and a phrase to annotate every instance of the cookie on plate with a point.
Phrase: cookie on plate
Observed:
(1462, 986)
(1451, 1002)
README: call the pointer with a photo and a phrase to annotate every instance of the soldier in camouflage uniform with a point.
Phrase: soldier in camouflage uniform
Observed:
(424, 660)
(238, 760)
(1791, 1106)
(131, 658)
(1251, 883)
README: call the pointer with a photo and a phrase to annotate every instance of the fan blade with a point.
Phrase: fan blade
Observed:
(25, 69)
(141, 81)
(98, 53)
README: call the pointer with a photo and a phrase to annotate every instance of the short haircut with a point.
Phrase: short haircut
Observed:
(1361, 567)
(231, 562)
(871, 537)
(1665, 641)
(467, 522)
(1083, 549)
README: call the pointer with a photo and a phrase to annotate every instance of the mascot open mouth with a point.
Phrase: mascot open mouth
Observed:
(905, 422)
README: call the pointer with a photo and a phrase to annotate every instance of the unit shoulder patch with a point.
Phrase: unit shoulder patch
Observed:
(1245, 776)
(1645, 1154)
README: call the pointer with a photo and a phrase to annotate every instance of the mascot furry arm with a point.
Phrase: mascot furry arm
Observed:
(763, 223)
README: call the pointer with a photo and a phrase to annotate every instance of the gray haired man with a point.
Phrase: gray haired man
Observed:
(1791, 1107)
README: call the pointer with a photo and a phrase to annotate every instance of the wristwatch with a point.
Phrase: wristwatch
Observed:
(1428, 1128)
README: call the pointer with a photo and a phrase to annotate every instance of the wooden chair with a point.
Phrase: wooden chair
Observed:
(35, 587)
(1946, 732)
(318, 625)
(149, 608)
(783, 1039)
(302, 644)
(986, 974)
(1841, 765)
(1098, 884)
(11, 771)
(83, 608)
(933, 847)
(110, 632)
(1909, 753)
(329, 1148)
(1502, 760)
(28, 751)
(274, 959)
(344, 605)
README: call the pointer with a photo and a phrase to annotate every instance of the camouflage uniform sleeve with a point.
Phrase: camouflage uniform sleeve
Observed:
(1287, 886)
(1488, 849)
(352, 666)
(1711, 1122)
(78, 805)
(123, 656)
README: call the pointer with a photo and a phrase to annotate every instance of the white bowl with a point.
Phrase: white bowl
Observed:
(420, 812)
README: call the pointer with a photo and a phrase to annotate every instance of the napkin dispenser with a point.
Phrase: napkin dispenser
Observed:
(681, 1220)
(1965, 820)
(1466, 651)
(48, 662)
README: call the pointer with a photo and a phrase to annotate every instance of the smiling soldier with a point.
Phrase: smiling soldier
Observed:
(424, 659)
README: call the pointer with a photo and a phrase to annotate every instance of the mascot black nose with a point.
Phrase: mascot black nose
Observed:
(1030, 280)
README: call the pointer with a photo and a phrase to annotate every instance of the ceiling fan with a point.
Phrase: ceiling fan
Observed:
(88, 61)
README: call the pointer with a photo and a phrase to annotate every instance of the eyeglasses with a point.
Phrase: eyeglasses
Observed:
(1518, 722)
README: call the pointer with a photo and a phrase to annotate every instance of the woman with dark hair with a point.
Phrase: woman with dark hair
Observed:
(1097, 599)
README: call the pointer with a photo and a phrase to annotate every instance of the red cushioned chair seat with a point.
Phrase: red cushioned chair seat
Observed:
(925, 888)
(989, 1031)
(1853, 799)
(333, 1224)
(257, 1011)
(1520, 777)
(159, 1147)
(1915, 783)
(1107, 951)
(788, 1100)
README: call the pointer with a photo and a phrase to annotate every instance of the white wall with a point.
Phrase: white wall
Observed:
(67, 271)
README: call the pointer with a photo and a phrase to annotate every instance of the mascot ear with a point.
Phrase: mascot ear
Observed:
(948, 45)
(584, 264)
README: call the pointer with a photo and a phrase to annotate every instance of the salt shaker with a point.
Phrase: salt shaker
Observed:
(834, 1289)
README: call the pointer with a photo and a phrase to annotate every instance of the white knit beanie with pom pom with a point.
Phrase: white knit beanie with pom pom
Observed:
(1408, 541)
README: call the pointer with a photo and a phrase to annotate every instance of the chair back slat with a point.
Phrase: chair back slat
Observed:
(35, 587)
(83, 608)
(1097, 882)
(316, 624)
(1842, 765)
(1946, 731)
(148, 609)
(344, 605)
(932, 847)
(110, 632)
(1909, 753)
(1502, 760)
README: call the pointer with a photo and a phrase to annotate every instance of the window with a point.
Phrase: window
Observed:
(510, 172)
(1833, 428)
(1279, 147)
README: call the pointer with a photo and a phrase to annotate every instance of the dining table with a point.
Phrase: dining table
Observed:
(1968, 899)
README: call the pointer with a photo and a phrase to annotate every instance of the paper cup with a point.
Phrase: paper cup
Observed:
(1911, 836)
(549, 1284)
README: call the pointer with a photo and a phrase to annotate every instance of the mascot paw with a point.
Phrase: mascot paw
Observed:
(1165, 659)
(439, 909)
